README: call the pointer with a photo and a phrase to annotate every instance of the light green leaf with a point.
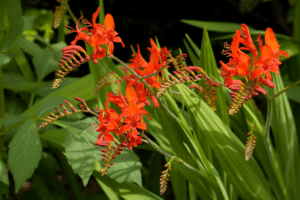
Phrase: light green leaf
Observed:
(286, 138)
(131, 191)
(247, 177)
(25, 152)
(3, 174)
(82, 88)
(127, 167)
(81, 152)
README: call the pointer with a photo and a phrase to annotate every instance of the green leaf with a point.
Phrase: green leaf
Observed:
(44, 64)
(82, 88)
(56, 136)
(12, 22)
(286, 138)
(215, 26)
(131, 191)
(29, 47)
(247, 177)
(4, 59)
(81, 152)
(25, 152)
(208, 63)
(127, 167)
(3, 173)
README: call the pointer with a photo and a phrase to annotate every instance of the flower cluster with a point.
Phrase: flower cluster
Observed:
(127, 123)
(255, 70)
(98, 35)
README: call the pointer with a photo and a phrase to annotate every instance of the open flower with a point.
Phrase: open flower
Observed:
(98, 35)
(256, 70)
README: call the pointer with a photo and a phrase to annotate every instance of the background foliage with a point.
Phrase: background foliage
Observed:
(60, 161)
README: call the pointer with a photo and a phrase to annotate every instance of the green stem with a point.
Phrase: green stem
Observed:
(2, 114)
(151, 143)
(71, 13)
(284, 90)
(269, 116)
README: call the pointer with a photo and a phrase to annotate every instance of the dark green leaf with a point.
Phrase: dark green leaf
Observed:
(12, 28)
(24, 153)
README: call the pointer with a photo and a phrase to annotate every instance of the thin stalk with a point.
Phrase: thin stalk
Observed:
(284, 90)
(151, 143)
(71, 13)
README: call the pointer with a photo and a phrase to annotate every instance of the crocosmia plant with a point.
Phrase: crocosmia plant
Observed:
(196, 120)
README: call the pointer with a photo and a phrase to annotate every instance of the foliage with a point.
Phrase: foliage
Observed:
(204, 126)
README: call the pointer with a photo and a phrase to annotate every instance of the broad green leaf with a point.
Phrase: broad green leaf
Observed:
(30, 47)
(44, 64)
(247, 177)
(286, 138)
(81, 152)
(24, 153)
(131, 191)
(215, 26)
(49, 104)
(56, 136)
(82, 88)
(127, 167)
(12, 22)
(46, 89)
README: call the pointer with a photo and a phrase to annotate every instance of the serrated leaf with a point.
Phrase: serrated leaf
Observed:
(126, 168)
(25, 152)
(81, 152)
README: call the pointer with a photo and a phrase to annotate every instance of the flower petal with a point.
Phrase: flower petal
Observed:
(109, 22)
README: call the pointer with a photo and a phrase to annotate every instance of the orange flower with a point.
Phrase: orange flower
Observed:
(240, 64)
(98, 35)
